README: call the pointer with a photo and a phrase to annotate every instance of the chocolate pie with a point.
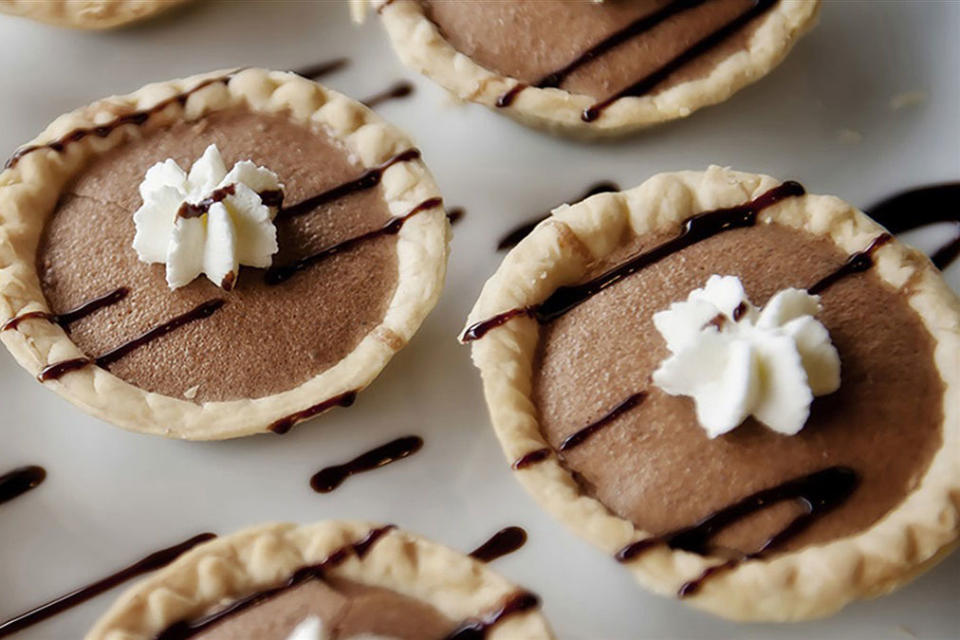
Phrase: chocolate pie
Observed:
(329, 581)
(594, 68)
(217, 256)
(745, 394)
(88, 14)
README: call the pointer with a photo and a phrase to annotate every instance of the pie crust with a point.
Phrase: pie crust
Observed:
(222, 570)
(87, 14)
(421, 46)
(811, 582)
(29, 191)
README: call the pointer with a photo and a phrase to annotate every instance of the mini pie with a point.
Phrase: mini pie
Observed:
(594, 69)
(356, 577)
(362, 242)
(566, 369)
(87, 14)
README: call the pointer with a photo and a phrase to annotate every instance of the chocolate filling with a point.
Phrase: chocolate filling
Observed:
(654, 464)
(265, 339)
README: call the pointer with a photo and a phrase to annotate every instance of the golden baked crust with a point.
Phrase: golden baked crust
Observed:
(87, 14)
(814, 581)
(28, 195)
(217, 572)
(422, 47)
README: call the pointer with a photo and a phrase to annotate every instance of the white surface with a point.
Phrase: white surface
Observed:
(112, 496)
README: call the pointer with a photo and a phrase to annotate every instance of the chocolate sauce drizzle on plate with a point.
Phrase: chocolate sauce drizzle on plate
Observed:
(478, 628)
(818, 493)
(401, 89)
(502, 543)
(151, 562)
(281, 273)
(856, 263)
(513, 237)
(922, 206)
(579, 437)
(67, 318)
(329, 478)
(17, 482)
(185, 629)
(102, 131)
(636, 29)
(203, 310)
(455, 214)
(284, 425)
(696, 229)
(320, 69)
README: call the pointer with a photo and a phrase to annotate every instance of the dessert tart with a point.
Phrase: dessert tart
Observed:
(761, 464)
(88, 14)
(328, 581)
(272, 282)
(594, 69)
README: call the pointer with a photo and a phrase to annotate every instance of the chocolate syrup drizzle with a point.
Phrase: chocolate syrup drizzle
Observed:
(103, 130)
(401, 89)
(203, 310)
(636, 29)
(922, 206)
(152, 562)
(367, 180)
(502, 543)
(17, 482)
(189, 628)
(455, 214)
(478, 628)
(579, 437)
(329, 478)
(283, 425)
(696, 229)
(818, 493)
(67, 318)
(513, 237)
(856, 263)
(532, 458)
(281, 273)
(269, 198)
(315, 71)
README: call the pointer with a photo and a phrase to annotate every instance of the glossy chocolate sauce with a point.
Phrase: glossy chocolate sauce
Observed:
(818, 493)
(502, 543)
(856, 263)
(316, 71)
(367, 180)
(203, 310)
(269, 198)
(281, 273)
(329, 478)
(401, 89)
(103, 130)
(513, 237)
(478, 628)
(712, 40)
(67, 318)
(455, 214)
(284, 425)
(17, 482)
(696, 229)
(579, 437)
(919, 207)
(532, 458)
(190, 628)
(152, 562)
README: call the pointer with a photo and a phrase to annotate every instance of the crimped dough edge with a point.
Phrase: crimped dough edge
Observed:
(812, 582)
(225, 569)
(30, 189)
(420, 45)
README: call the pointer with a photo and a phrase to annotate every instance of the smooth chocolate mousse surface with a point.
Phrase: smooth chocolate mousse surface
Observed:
(266, 339)
(530, 40)
(655, 465)
(346, 608)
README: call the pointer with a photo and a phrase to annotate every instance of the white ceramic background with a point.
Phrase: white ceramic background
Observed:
(113, 496)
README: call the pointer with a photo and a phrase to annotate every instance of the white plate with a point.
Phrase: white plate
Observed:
(113, 496)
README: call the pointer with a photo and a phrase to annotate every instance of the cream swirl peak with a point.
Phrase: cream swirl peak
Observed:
(736, 360)
(208, 221)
